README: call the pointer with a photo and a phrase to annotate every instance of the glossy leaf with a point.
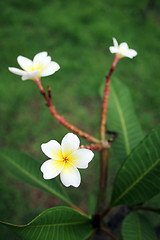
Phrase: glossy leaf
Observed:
(122, 119)
(136, 227)
(59, 223)
(28, 170)
(138, 179)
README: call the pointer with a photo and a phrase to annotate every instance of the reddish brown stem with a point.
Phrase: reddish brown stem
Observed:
(61, 119)
(106, 211)
(38, 82)
(49, 96)
(71, 127)
(103, 180)
(104, 151)
(108, 233)
(77, 209)
(92, 235)
(105, 100)
(92, 147)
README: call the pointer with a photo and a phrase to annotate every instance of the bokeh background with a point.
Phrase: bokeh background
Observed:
(77, 34)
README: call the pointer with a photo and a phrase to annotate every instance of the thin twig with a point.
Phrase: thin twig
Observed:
(108, 233)
(60, 118)
(77, 209)
(92, 147)
(92, 234)
(104, 152)
(49, 95)
(105, 100)
(148, 209)
(106, 211)
(71, 127)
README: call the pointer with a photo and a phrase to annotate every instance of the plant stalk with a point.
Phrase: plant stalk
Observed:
(103, 180)
(105, 100)
(104, 152)
(147, 209)
(60, 118)
(108, 233)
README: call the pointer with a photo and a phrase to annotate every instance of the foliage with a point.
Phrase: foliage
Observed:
(75, 33)
(28, 170)
(58, 223)
(122, 119)
(138, 179)
(136, 227)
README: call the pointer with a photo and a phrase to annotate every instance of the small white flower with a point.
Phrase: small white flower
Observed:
(65, 159)
(41, 66)
(122, 50)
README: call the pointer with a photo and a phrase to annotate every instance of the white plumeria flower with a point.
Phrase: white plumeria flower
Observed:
(65, 159)
(41, 66)
(122, 50)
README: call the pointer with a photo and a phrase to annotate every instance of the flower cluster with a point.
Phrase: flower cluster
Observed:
(64, 159)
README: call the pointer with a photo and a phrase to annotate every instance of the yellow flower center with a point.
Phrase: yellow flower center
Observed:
(39, 66)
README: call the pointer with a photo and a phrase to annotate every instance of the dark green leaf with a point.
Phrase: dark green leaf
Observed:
(136, 227)
(28, 170)
(59, 223)
(139, 177)
(122, 119)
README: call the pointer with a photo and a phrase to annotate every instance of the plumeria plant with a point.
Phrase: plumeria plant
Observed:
(120, 139)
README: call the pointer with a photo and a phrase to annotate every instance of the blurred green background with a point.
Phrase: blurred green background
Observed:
(77, 35)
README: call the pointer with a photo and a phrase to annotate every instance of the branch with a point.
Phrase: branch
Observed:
(103, 179)
(96, 146)
(104, 151)
(92, 235)
(106, 211)
(105, 100)
(148, 209)
(108, 233)
(71, 127)
(60, 118)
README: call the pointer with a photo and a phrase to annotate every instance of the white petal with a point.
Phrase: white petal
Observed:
(17, 71)
(81, 158)
(115, 42)
(132, 53)
(30, 75)
(39, 57)
(25, 63)
(123, 46)
(50, 69)
(69, 144)
(51, 168)
(52, 149)
(70, 176)
(42, 63)
(113, 49)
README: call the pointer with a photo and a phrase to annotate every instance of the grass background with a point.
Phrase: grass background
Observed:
(77, 34)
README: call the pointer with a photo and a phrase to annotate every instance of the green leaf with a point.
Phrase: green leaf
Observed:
(58, 223)
(139, 177)
(122, 119)
(27, 169)
(136, 227)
